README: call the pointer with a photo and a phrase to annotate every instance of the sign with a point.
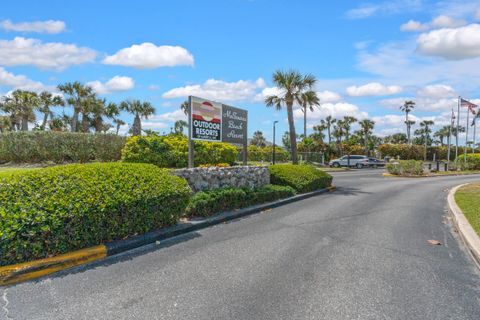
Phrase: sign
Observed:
(206, 120)
(234, 125)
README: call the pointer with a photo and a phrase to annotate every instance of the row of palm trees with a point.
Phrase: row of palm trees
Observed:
(88, 111)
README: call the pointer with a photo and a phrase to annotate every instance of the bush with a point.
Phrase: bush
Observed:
(472, 163)
(54, 210)
(405, 168)
(266, 153)
(59, 147)
(207, 203)
(403, 151)
(302, 178)
(171, 151)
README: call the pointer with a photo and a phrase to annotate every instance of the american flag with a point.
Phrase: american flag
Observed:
(469, 105)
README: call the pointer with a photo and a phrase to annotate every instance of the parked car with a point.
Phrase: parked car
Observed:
(357, 161)
(375, 163)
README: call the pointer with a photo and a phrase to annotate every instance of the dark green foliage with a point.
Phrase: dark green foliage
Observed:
(302, 178)
(171, 151)
(207, 203)
(58, 209)
(405, 167)
(59, 147)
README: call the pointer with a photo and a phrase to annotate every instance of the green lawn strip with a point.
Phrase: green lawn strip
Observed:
(468, 199)
(446, 173)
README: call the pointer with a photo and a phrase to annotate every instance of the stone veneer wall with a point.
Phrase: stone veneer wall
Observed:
(215, 177)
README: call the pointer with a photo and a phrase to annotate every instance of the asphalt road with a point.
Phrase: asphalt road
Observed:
(358, 253)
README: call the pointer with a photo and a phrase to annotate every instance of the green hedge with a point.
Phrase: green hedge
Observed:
(171, 151)
(59, 147)
(58, 209)
(266, 154)
(302, 178)
(207, 203)
(405, 168)
(472, 163)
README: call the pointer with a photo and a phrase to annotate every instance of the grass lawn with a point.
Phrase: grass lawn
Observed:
(468, 199)
(439, 173)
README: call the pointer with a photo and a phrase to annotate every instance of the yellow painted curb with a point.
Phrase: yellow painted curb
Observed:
(34, 269)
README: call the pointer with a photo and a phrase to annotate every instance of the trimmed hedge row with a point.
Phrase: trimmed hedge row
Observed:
(54, 210)
(59, 147)
(207, 203)
(266, 153)
(302, 178)
(405, 168)
(472, 163)
(171, 151)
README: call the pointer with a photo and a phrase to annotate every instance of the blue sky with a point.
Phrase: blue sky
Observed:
(368, 56)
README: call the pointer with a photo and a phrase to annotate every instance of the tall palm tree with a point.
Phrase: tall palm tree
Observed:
(140, 110)
(328, 123)
(366, 127)
(184, 107)
(179, 126)
(77, 93)
(118, 123)
(347, 125)
(48, 100)
(21, 105)
(291, 84)
(309, 100)
(337, 133)
(258, 139)
(426, 126)
(408, 107)
(441, 134)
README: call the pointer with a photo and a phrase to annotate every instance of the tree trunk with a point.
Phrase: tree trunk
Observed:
(25, 124)
(293, 136)
(137, 126)
(118, 128)
(44, 122)
(305, 121)
(85, 123)
(74, 120)
(329, 135)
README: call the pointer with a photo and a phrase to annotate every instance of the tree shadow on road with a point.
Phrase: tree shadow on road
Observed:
(349, 191)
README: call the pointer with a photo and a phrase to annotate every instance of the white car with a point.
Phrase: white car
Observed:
(357, 161)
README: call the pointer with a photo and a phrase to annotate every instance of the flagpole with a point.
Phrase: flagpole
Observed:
(449, 139)
(466, 136)
(474, 133)
(458, 124)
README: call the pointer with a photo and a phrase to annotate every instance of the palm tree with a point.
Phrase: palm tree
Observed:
(441, 134)
(258, 139)
(366, 127)
(318, 134)
(408, 107)
(118, 124)
(309, 100)
(140, 110)
(426, 126)
(291, 84)
(337, 133)
(179, 126)
(21, 105)
(327, 123)
(76, 93)
(184, 107)
(47, 100)
(347, 123)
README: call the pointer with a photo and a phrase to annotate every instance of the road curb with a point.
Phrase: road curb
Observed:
(465, 230)
(25, 271)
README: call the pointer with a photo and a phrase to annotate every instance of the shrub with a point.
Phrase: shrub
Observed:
(302, 178)
(206, 203)
(404, 151)
(58, 209)
(405, 168)
(59, 147)
(171, 151)
(472, 161)
(266, 153)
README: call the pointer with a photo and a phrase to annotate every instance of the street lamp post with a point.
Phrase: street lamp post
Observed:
(273, 151)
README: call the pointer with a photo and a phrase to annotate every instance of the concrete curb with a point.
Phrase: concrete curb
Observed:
(17, 273)
(430, 176)
(465, 230)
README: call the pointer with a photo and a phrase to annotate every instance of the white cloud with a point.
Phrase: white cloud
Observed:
(328, 96)
(451, 43)
(148, 56)
(219, 90)
(441, 21)
(164, 120)
(13, 81)
(336, 110)
(373, 89)
(437, 91)
(115, 84)
(49, 26)
(367, 10)
(51, 55)
(153, 87)
(426, 104)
